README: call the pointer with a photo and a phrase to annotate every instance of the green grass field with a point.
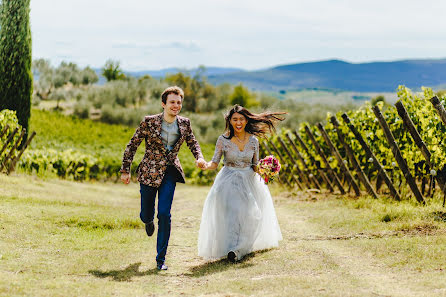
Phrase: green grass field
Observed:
(58, 132)
(63, 238)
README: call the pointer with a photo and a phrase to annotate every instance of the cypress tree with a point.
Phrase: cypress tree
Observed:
(16, 79)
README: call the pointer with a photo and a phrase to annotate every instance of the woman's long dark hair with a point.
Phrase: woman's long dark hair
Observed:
(257, 124)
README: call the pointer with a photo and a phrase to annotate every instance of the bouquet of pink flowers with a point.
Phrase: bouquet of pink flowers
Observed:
(268, 168)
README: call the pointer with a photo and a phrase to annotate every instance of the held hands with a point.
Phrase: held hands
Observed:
(201, 163)
(125, 177)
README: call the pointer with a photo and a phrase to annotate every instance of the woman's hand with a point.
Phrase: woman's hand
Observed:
(125, 177)
(211, 165)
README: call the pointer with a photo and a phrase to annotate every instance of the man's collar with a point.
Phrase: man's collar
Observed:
(164, 119)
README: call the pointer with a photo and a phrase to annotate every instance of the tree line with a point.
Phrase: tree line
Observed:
(125, 99)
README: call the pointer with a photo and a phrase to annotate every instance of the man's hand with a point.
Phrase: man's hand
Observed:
(201, 163)
(125, 177)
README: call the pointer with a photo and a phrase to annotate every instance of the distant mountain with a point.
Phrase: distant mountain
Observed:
(341, 75)
(209, 71)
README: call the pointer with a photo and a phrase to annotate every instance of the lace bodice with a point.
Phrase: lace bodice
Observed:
(233, 157)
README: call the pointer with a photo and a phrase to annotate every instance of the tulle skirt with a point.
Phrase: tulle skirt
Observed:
(238, 215)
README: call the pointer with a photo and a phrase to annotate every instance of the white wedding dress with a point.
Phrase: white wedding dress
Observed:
(238, 214)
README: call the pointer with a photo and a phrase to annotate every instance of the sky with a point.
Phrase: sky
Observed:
(153, 35)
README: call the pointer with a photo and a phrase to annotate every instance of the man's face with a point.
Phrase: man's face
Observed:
(173, 104)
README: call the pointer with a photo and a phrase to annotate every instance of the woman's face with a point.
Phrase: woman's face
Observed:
(238, 122)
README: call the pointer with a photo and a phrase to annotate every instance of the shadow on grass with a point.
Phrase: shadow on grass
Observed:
(125, 274)
(222, 265)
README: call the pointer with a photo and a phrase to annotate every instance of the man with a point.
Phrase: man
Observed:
(160, 168)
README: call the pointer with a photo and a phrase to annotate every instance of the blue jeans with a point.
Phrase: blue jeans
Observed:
(165, 197)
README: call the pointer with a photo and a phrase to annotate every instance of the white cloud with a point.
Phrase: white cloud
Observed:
(238, 33)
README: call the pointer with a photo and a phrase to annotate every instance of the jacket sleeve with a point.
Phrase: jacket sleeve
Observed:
(132, 146)
(192, 143)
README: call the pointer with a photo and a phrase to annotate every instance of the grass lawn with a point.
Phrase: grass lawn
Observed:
(58, 132)
(62, 238)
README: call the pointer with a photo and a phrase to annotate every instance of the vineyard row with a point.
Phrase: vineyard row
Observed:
(401, 146)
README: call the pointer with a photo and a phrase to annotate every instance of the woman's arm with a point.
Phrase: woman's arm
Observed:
(255, 157)
(211, 165)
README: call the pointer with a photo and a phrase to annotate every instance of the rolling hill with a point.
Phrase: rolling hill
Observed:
(330, 74)
(337, 74)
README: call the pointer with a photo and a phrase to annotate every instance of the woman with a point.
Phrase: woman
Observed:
(238, 214)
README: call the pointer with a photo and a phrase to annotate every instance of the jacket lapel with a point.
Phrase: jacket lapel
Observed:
(157, 127)
(182, 130)
(181, 126)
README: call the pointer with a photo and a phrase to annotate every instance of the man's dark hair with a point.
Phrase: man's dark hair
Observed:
(172, 90)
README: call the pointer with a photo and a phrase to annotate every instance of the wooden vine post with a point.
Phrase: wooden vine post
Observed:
(4, 130)
(402, 112)
(10, 137)
(11, 152)
(442, 113)
(321, 153)
(397, 153)
(350, 154)
(265, 145)
(439, 107)
(321, 172)
(302, 161)
(336, 153)
(291, 175)
(294, 163)
(370, 154)
(9, 160)
(14, 161)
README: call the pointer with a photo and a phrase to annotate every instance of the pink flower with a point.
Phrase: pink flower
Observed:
(270, 168)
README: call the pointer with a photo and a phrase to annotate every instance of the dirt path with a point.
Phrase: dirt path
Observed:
(353, 271)
(60, 238)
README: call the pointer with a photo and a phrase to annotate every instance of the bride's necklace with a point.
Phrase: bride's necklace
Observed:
(239, 140)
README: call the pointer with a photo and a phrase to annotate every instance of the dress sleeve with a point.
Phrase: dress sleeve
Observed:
(255, 157)
(218, 150)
